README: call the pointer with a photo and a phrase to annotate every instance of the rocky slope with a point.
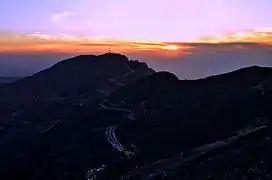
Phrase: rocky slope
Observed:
(146, 126)
(80, 79)
(32, 106)
(174, 117)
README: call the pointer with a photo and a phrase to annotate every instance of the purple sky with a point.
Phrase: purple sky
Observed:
(164, 20)
(159, 20)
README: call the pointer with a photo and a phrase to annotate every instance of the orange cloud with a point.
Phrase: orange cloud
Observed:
(39, 42)
(67, 43)
(257, 35)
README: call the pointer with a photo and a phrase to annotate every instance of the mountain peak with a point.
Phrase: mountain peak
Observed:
(83, 74)
(113, 55)
(246, 72)
(94, 59)
(253, 69)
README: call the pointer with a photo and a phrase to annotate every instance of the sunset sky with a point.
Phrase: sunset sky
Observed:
(52, 22)
(165, 28)
(163, 20)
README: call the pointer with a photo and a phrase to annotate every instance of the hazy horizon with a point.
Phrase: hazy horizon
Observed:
(192, 39)
(199, 61)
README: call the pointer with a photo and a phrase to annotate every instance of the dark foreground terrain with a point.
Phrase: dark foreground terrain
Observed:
(107, 117)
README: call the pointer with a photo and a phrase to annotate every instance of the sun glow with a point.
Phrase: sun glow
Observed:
(170, 47)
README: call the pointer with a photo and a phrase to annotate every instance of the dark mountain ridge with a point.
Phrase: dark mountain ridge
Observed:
(79, 72)
(82, 79)
(176, 117)
(120, 119)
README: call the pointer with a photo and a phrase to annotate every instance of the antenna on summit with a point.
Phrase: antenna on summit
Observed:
(109, 50)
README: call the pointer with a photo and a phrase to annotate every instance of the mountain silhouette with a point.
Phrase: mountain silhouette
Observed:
(83, 79)
(106, 117)
(82, 74)
(180, 115)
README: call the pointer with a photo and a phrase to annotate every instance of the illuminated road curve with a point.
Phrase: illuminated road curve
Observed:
(111, 138)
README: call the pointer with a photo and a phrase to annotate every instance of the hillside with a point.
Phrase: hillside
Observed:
(153, 126)
(73, 81)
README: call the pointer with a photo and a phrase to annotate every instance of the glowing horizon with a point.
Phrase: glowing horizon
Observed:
(36, 42)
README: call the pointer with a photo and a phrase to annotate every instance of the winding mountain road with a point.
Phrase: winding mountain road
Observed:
(110, 130)
(111, 138)
(129, 115)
